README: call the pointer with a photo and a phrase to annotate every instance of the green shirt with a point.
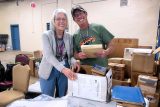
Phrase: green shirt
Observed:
(94, 34)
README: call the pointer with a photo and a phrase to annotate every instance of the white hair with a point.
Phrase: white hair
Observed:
(54, 15)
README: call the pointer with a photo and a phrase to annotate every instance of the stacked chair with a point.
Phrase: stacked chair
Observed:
(20, 85)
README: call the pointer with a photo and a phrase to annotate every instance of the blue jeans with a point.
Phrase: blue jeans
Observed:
(56, 80)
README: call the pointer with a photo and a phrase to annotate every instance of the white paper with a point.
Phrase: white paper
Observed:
(80, 102)
(25, 103)
(147, 51)
(40, 101)
(35, 87)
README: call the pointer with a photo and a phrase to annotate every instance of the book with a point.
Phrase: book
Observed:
(90, 50)
(132, 95)
(97, 69)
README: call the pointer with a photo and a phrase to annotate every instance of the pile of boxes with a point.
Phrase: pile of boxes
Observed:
(121, 70)
(141, 70)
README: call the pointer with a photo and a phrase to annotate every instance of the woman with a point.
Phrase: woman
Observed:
(54, 70)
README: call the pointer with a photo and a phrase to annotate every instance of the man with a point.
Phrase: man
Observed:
(89, 34)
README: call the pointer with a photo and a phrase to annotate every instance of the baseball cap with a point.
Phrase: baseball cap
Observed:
(77, 7)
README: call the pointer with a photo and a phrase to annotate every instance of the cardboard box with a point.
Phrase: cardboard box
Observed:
(90, 50)
(120, 44)
(91, 87)
(117, 70)
(32, 66)
(128, 53)
(127, 63)
(142, 62)
(146, 47)
(37, 54)
(153, 99)
(86, 69)
(134, 76)
(147, 83)
(115, 60)
(126, 82)
(123, 104)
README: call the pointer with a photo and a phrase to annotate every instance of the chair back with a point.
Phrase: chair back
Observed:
(21, 78)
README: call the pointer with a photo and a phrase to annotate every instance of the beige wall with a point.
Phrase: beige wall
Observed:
(137, 20)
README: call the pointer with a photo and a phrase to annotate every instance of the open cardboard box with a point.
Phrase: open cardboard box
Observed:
(143, 60)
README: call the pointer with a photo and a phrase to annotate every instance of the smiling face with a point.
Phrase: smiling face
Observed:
(60, 21)
(80, 17)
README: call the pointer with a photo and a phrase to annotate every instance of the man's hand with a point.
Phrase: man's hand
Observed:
(103, 53)
(81, 55)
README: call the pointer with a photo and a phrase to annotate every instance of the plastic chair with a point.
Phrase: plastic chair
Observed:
(20, 85)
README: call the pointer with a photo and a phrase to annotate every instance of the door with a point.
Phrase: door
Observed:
(48, 26)
(15, 37)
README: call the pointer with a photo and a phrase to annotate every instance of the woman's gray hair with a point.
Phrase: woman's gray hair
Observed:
(54, 15)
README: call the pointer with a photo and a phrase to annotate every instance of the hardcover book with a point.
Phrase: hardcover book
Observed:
(99, 70)
(132, 95)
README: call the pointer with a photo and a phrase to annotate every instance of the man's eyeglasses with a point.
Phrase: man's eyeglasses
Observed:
(77, 14)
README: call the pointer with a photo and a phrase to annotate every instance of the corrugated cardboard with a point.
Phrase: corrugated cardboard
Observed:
(32, 66)
(117, 70)
(87, 69)
(134, 76)
(142, 62)
(122, 83)
(115, 60)
(120, 44)
(127, 63)
(153, 99)
(123, 104)
(128, 53)
(147, 83)
(37, 54)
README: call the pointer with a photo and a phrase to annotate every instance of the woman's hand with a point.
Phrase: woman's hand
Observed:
(69, 73)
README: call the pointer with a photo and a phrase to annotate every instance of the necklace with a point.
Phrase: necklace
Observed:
(84, 35)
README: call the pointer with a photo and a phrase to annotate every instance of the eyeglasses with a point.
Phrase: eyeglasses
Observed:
(59, 19)
(77, 14)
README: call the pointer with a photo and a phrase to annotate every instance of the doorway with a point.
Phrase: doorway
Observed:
(15, 37)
